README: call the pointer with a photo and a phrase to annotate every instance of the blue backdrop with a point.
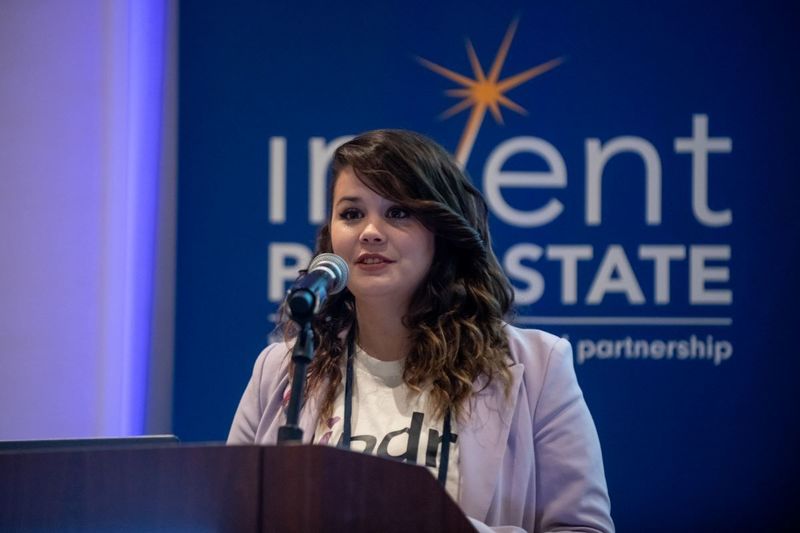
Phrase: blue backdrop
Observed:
(644, 206)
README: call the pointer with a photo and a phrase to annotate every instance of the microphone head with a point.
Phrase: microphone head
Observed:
(336, 265)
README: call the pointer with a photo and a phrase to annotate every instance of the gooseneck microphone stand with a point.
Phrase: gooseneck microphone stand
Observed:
(327, 274)
(302, 311)
(302, 354)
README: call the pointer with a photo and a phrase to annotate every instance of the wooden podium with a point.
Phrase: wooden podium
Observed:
(220, 488)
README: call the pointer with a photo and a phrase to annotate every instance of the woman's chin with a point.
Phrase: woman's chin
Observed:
(377, 291)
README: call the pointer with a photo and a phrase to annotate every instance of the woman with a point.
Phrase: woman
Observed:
(414, 359)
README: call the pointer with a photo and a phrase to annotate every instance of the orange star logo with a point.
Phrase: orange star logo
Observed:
(485, 92)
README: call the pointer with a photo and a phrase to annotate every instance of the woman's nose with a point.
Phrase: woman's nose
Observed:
(371, 233)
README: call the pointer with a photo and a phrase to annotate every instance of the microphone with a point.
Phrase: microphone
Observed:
(327, 274)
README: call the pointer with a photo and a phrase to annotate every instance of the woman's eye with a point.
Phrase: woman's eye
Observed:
(398, 212)
(350, 214)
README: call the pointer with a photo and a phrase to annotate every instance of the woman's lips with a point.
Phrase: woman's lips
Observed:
(372, 267)
(371, 262)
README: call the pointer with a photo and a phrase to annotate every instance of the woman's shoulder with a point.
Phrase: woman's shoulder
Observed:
(272, 362)
(531, 346)
(544, 357)
(547, 369)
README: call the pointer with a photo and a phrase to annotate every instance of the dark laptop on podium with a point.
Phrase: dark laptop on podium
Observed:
(100, 442)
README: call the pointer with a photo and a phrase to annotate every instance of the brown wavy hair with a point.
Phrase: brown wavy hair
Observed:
(457, 314)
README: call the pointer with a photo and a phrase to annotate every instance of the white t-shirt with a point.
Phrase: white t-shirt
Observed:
(391, 420)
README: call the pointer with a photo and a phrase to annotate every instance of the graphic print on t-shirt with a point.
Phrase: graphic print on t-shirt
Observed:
(391, 420)
(404, 443)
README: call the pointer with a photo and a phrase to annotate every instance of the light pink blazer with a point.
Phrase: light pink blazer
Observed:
(532, 461)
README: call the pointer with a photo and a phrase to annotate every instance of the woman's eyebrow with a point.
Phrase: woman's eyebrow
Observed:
(354, 199)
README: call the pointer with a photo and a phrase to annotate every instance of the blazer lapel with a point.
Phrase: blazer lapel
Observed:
(482, 443)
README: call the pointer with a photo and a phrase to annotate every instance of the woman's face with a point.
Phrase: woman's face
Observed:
(389, 252)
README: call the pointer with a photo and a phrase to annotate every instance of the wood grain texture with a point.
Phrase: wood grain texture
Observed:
(349, 491)
(186, 488)
(220, 488)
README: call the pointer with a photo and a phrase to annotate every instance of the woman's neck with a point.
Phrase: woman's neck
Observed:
(381, 332)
